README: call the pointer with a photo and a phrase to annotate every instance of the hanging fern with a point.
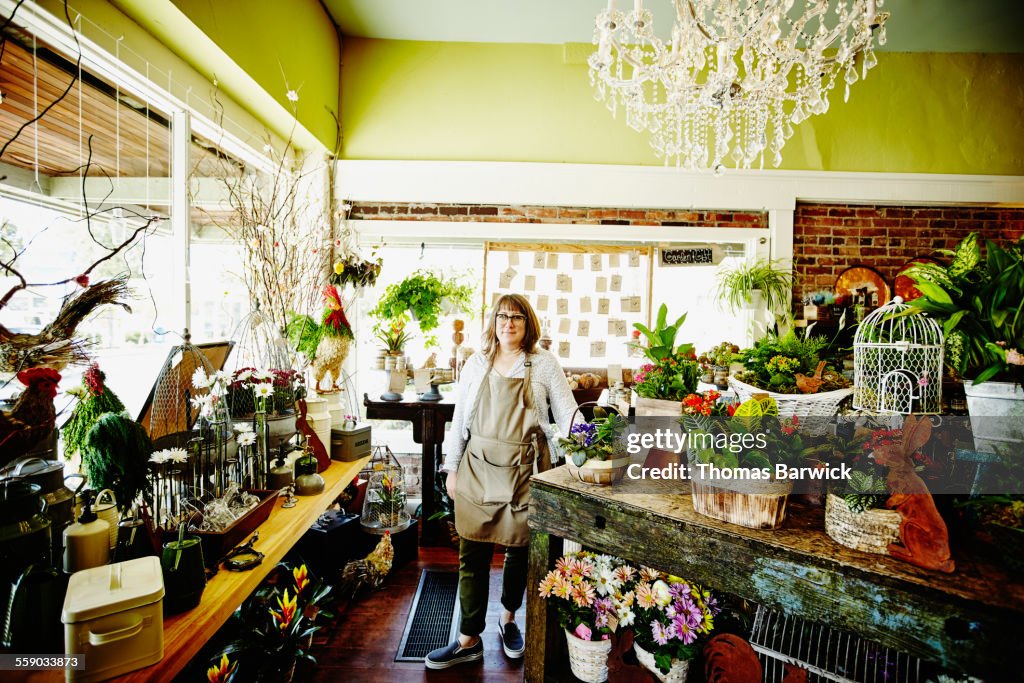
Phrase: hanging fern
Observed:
(115, 456)
(94, 399)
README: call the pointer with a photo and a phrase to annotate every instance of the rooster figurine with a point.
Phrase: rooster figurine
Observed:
(55, 346)
(32, 416)
(368, 572)
(335, 337)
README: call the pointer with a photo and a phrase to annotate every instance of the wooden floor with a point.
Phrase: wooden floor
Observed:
(363, 645)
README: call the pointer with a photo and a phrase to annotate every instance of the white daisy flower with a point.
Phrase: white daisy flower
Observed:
(625, 615)
(159, 457)
(263, 390)
(263, 375)
(243, 427)
(199, 379)
(177, 455)
(223, 376)
(246, 439)
(292, 96)
(243, 375)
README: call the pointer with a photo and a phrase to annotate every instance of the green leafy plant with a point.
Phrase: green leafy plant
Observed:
(420, 294)
(980, 304)
(115, 455)
(755, 437)
(671, 378)
(595, 439)
(737, 283)
(773, 363)
(661, 340)
(392, 334)
(357, 271)
(94, 399)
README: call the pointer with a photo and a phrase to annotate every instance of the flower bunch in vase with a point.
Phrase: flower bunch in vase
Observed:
(272, 392)
(708, 404)
(393, 335)
(673, 619)
(594, 598)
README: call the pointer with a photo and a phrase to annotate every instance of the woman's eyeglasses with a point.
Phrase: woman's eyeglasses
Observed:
(516, 318)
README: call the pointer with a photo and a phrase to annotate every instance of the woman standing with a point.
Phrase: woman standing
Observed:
(497, 440)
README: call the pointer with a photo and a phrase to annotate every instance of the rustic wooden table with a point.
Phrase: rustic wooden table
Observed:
(186, 633)
(970, 620)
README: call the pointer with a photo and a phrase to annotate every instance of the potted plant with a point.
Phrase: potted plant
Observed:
(593, 453)
(386, 499)
(755, 284)
(674, 618)
(721, 357)
(357, 271)
(393, 335)
(855, 512)
(733, 461)
(792, 371)
(977, 300)
(426, 296)
(277, 626)
(672, 371)
(593, 596)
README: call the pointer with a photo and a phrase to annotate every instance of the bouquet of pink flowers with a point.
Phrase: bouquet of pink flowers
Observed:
(672, 617)
(593, 594)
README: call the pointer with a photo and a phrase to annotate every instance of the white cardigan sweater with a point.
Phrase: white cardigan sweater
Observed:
(550, 389)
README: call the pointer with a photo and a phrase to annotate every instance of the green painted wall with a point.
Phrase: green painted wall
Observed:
(924, 113)
(281, 45)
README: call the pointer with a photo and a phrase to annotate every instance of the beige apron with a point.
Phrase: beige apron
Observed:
(492, 493)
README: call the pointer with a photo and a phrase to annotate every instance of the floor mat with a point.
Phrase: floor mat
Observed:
(434, 617)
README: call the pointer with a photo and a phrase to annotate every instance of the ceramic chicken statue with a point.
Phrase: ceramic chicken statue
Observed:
(370, 571)
(335, 337)
(32, 416)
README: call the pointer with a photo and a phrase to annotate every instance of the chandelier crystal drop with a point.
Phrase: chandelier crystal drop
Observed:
(736, 75)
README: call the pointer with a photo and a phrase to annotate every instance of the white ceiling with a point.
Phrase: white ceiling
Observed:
(915, 25)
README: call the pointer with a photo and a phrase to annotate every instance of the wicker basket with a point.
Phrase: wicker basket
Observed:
(821, 405)
(755, 504)
(870, 531)
(588, 659)
(602, 472)
(677, 674)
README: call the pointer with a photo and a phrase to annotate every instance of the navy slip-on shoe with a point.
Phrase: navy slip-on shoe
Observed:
(453, 655)
(512, 640)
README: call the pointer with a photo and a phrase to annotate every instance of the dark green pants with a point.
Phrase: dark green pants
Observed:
(475, 578)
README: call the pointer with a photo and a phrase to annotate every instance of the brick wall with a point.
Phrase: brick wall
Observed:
(828, 238)
(491, 213)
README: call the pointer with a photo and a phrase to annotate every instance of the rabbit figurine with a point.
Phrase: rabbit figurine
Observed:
(923, 533)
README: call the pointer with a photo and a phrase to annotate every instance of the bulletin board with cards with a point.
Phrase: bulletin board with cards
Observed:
(587, 296)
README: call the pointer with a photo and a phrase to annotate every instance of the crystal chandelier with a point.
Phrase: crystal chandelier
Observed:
(735, 76)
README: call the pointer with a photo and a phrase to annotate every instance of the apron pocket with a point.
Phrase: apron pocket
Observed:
(495, 480)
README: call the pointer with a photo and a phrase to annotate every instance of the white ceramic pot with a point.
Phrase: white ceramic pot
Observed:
(677, 674)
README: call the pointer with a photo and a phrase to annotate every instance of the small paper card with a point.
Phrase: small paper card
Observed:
(563, 326)
(614, 375)
(505, 281)
(634, 259)
(494, 298)
(630, 304)
(562, 307)
(611, 326)
(421, 378)
(595, 262)
(553, 261)
(538, 259)
(542, 302)
(397, 380)
(513, 258)
(602, 284)
(563, 283)
(583, 328)
(531, 283)
(563, 349)
(602, 306)
(585, 305)
(597, 349)
(620, 328)
(577, 261)
(616, 283)
(613, 261)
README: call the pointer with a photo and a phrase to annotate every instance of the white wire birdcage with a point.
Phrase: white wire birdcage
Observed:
(897, 360)
(384, 508)
(261, 345)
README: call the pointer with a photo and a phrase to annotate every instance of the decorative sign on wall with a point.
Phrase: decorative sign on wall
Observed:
(697, 255)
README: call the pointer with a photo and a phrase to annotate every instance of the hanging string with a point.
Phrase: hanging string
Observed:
(81, 159)
(147, 141)
(117, 112)
(35, 112)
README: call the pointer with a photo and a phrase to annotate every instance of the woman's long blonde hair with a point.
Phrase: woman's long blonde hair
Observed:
(514, 302)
